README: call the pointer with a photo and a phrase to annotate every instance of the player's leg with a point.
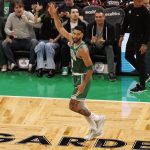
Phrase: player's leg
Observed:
(77, 104)
(98, 119)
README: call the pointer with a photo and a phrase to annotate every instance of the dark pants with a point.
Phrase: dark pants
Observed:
(106, 50)
(135, 58)
(20, 44)
(2, 56)
(65, 55)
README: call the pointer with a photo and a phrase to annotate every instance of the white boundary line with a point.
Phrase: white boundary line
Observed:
(52, 98)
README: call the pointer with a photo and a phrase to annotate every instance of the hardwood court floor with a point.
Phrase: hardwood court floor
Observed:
(25, 117)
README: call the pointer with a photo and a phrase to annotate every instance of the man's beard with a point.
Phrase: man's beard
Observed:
(76, 40)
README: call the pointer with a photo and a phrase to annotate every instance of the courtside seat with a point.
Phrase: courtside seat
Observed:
(22, 58)
(89, 11)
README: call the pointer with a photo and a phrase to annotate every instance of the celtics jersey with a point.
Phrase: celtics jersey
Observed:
(78, 65)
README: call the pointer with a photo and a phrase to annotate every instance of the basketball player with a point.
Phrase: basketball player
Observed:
(82, 70)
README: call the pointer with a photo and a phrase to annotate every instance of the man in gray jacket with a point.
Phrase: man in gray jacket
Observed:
(100, 39)
(18, 28)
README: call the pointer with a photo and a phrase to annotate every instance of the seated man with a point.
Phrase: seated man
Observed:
(18, 27)
(100, 39)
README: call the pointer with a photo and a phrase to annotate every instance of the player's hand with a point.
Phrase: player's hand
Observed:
(80, 90)
(143, 48)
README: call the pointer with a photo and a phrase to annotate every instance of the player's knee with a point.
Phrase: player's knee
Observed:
(73, 106)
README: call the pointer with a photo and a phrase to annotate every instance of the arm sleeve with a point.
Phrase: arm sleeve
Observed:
(8, 25)
(88, 34)
(146, 27)
(125, 23)
(3, 32)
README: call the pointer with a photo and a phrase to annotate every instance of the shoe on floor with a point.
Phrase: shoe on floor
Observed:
(138, 89)
(92, 134)
(40, 73)
(112, 76)
(147, 78)
(100, 123)
(50, 73)
(65, 71)
(4, 68)
(12, 66)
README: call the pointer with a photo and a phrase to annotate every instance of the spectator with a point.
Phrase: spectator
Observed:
(146, 4)
(18, 27)
(29, 4)
(48, 43)
(83, 4)
(65, 8)
(3, 62)
(100, 39)
(65, 49)
(136, 22)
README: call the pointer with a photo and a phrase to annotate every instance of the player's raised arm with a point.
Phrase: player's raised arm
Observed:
(53, 12)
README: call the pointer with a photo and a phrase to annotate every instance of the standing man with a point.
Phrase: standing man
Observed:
(136, 22)
(82, 73)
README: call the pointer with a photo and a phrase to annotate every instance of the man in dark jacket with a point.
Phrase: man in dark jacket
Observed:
(100, 39)
(136, 22)
(65, 49)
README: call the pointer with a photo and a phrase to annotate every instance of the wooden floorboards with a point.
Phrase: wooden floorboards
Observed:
(51, 119)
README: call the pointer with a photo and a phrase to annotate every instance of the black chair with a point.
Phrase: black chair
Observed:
(22, 58)
(89, 11)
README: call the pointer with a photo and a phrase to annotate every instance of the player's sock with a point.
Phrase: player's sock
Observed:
(89, 119)
(92, 123)
(94, 116)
